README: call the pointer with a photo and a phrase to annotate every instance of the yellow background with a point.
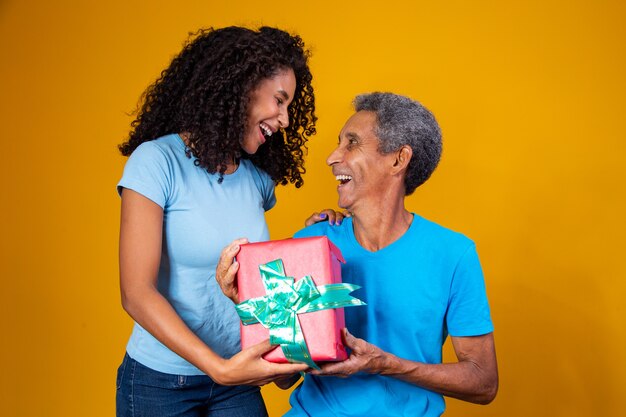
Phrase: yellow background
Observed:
(531, 99)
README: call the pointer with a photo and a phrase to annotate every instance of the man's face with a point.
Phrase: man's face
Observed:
(362, 171)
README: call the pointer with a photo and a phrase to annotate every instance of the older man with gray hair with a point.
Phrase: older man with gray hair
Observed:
(421, 281)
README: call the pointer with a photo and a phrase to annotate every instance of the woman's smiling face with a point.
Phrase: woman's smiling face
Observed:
(267, 109)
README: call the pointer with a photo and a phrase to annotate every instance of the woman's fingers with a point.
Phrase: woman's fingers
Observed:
(333, 217)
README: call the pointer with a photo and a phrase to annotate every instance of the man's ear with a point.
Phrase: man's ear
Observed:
(403, 157)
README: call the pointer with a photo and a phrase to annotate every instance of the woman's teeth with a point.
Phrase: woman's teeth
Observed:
(266, 129)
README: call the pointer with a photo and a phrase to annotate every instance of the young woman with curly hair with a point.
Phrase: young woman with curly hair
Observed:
(225, 122)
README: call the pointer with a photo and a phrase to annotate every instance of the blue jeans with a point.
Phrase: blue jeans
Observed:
(143, 392)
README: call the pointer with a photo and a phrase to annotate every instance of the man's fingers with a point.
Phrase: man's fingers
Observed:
(227, 283)
(229, 252)
(240, 241)
(330, 369)
(235, 245)
(232, 271)
(232, 249)
(349, 340)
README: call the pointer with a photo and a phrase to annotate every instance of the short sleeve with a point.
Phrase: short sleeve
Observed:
(147, 172)
(266, 186)
(468, 309)
(269, 196)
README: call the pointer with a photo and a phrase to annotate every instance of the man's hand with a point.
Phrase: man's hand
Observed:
(333, 217)
(227, 268)
(473, 378)
(365, 357)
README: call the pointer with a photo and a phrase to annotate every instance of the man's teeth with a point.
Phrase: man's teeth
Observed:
(266, 129)
(343, 178)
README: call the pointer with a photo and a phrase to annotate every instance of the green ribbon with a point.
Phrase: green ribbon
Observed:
(278, 310)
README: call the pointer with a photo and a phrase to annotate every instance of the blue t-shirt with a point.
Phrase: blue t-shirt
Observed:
(419, 289)
(200, 217)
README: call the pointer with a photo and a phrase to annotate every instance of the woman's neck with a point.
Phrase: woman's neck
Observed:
(230, 168)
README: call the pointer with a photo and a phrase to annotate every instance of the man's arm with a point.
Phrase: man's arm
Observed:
(473, 378)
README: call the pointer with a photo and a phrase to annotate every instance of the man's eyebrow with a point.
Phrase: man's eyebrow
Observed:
(348, 135)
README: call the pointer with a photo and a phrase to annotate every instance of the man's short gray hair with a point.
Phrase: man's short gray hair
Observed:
(402, 121)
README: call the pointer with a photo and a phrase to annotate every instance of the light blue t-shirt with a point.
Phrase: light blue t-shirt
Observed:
(419, 289)
(200, 217)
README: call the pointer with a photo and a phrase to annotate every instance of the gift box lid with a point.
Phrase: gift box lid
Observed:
(298, 249)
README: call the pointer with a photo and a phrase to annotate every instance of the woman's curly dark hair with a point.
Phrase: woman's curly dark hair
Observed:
(205, 92)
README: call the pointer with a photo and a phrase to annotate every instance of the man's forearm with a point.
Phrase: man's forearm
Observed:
(473, 378)
(464, 380)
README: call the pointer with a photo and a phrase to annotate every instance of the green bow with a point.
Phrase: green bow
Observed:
(278, 310)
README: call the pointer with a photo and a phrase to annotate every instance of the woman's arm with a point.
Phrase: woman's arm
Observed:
(140, 251)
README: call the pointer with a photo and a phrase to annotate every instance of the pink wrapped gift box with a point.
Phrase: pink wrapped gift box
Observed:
(314, 256)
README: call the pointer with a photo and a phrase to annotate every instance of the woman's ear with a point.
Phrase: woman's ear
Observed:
(403, 157)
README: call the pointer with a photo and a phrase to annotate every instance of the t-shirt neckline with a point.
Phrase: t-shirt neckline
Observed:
(216, 175)
(352, 238)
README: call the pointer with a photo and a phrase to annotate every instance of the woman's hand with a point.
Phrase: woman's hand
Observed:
(227, 267)
(333, 217)
(249, 368)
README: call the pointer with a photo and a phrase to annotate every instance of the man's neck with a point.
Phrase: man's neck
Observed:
(378, 228)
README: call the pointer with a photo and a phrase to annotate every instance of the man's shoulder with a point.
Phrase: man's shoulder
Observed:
(317, 229)
(324, 229)
(438, 233)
